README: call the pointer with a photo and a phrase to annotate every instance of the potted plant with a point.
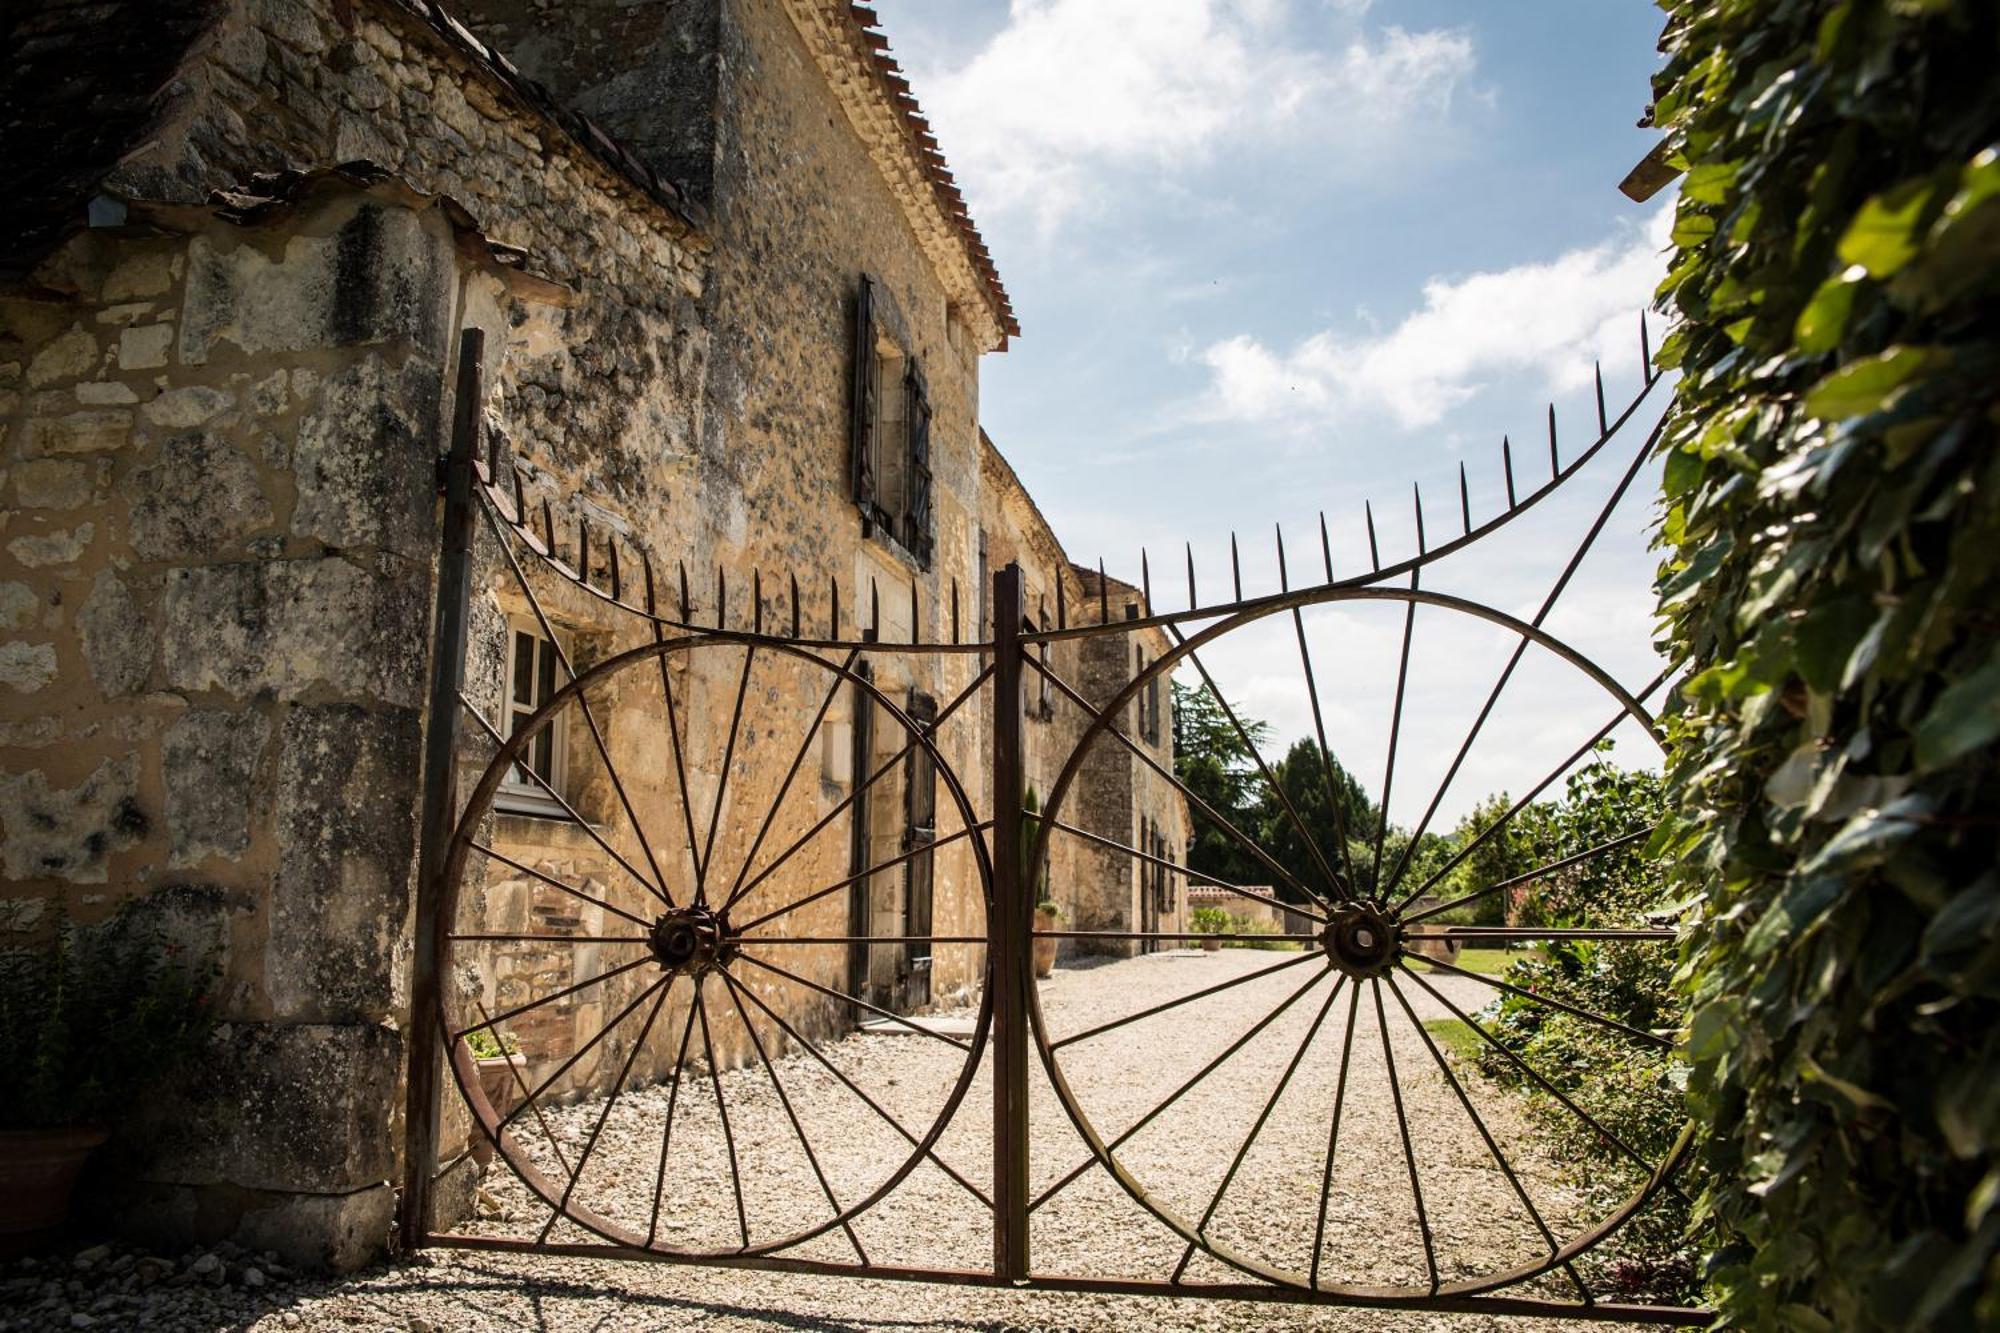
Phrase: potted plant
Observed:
(1048, 912)
(500, 1069)
(88, 1023)
(1210, 922)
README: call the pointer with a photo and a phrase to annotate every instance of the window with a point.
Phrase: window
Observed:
(532, 672)
(1149, 700)
(890, 449)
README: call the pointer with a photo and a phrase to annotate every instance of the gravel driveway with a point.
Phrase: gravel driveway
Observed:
(1091, 1226)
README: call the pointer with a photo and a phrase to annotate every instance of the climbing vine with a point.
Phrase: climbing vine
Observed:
(1832, 583)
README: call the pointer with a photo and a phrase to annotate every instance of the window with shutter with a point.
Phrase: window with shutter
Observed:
(917, 471)
(861, 462)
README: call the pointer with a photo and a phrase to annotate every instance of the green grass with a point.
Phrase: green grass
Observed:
(1491, 962)
(1454, 1036)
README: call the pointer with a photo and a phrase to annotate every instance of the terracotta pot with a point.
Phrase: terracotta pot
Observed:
(1211, 945)
(502, 1089)
(38, 1170)
(1046, 918)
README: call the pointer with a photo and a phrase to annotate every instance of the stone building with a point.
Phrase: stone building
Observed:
(733, 311)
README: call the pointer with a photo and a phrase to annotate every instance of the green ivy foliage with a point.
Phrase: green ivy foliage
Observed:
(1832, 538)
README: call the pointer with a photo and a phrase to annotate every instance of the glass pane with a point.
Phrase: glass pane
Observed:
(524, 668)
(544, 755)
(545, 678)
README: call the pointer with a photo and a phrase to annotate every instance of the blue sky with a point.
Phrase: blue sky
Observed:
(1278, 256)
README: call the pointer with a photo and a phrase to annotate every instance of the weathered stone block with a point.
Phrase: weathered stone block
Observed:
(146, 273)
(332, 1233)
(62, 547)
(53, 483)
(346, 820)
(199, 499)
(145, 348)
(210, 761)
(383, 274)
(79, 433)
(293, 626)
(26, 667)
(294, 1107)
(18, 605)
(365, 459)
(69, 832)
(117, 636)
(187, 407)
(69, 357)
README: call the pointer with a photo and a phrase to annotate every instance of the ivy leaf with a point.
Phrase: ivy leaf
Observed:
(1824, 320)
(1863, 386)
(1964, 718)
(1887, 230)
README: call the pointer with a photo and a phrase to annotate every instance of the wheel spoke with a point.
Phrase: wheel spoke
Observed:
(897, 1019)
(674, 737)
(1194, 876)
(1270, 779)
(1333, 1134)
(551, 998)
(555, 883)
(722, 1109)
(1507, 672)
(874, 939)
(1512, 934)
(1522, 804)
(1403, 1128)
(617, 1091)
(866, 1100)
(1207, 811)
(730, 986)
(586, 1048)
(1492, 1146)
(1376, 888)
(1336, 791)
(582, 703)
(1539, 871)
(1181, 1091)
(667, 1129)
(502, 938)
(1550, 1002)
(577, 819)
(722, 778)
(521, 1085)
(858, 876)
(1513, 1057)
(785, 787)
(1204, 993)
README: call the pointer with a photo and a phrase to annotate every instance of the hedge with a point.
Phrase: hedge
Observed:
(1831, 537)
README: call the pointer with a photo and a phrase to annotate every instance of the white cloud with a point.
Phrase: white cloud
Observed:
(1076, 99)
(1549, 318)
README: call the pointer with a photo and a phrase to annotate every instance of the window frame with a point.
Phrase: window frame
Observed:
(526, 797)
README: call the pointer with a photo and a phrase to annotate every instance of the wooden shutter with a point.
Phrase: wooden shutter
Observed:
(860, 854)
(861, 429)
(917, 489)
(919, 831)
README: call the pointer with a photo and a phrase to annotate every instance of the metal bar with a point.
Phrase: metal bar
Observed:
(1336, 790)
(1333, 1134)
(897, 1019)
(1471, 933)
(503, 937)
(1201, 994)
(1637, 1034)
(1376, 888)
(868, 939)
(1010, 958)
(553, 996)
(1608, 1312)
(617, 1090)
(1403, 1127)
(860, 875)
(1536, 873)
(1195, 876)
(722, 777)
(722, 1109)
(521, 1083)
(555, 883)
(440, 793)
(534, 1097)
(1239, 936)
(667, 1129)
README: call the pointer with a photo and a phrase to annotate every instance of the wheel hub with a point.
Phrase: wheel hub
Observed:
(1361, 940)
(691, 939)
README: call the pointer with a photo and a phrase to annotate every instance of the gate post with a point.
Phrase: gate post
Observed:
(440, 801)
(1012, 906)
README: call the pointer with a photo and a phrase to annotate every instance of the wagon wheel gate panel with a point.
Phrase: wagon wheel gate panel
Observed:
(725, 928)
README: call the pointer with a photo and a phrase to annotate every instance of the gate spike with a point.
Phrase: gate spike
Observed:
(646, 566)
(583, 548)
(549, 522)
(954, 606)
(874, 610)
(1555, 465)
(721, 597)
(833, 600)
(1190, 559)
(1235, 567)
(1645, 349)
(1325, 546)
(687, 604)
(1103, 594)
(1603, 422)
(1464, 498)
(520, 502)
(1284, 580)
(492, 451)
(795, 604)
(616, 584)
(1417, 495)
(756, 600)
(1507, 466)
(1145, 581)
(1374, 551)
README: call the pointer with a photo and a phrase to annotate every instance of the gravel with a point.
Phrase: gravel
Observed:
(1091, 1226)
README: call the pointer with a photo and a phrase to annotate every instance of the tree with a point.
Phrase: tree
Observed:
(1210, 759)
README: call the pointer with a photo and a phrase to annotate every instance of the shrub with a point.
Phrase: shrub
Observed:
(1209, 920)
(93, 1021)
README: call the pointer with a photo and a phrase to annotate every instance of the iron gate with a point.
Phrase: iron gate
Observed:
(659, 907)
